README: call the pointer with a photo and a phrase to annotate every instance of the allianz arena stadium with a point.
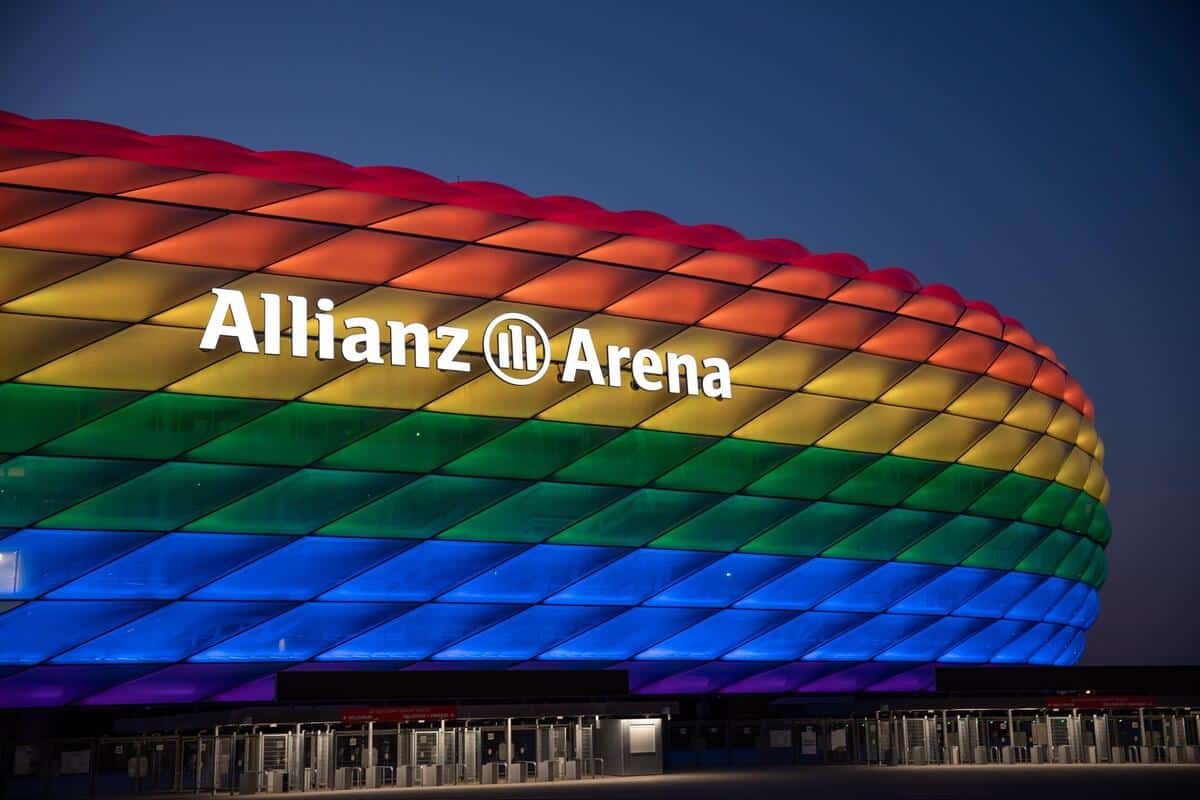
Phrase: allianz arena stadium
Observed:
(266, 411)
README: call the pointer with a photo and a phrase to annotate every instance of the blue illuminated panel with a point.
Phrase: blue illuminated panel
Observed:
(793, 639)
(634, 578)
(883, 587)
(930, 643)
(39, 560)
(1037, 604)
(1002, 595)
(1086, 614)
(1021, 649)
(715, 635)
(719, 584)
(302, 569)
(35, 631)
(301, 633)
(624, 636)
(808, 584)
(425, 571)
(529, 633)
(947, 592)
(1070, 604)
(534, 574)
(171, 566)
(420, 633)
(1053, 649)
(986, 643)
(870, 638)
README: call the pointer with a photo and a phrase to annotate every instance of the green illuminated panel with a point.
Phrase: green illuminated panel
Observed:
(888, 481)
(1008, 547)
(301, 502)
(32, 414)
(811, 474)
(295, 434)
(1079, 516)
(727, 525)
(634, 458)
(950, 543)
(1010, 497)
(636, 519)
(425, 507)
(1046, 557)
(33, 487)
(166, 497)
(1053, 504)
(420, 442)
(532, 450)
(1097, 569)
(160, 426)
(536, 513)
(954, 488)
(813, 529)
(1077, 560)
(884, 537)
(1100, 528)
(727, 466)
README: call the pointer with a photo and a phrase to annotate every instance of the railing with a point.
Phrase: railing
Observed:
(591, 770)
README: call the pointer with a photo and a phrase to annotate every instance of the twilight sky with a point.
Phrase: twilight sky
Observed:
(1041, 156)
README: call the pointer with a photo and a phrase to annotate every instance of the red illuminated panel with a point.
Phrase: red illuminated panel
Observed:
(12, 157)
(1050, 380)
(967, 351)
(93, 174)
(18, 205)
(1015, 366)
(725, 267)
(1075, 395)
(549, 237)
(981, 322)
(477, 271)
(871, 294)
(931, 308)
(103, 226)
(839, 326)
(907, 338)
(637, 251)
(581, 284)
(215, 190)
(342, 206)
(364, 256)
(761, 313)
(238, 241)
(449, 222)
(672, 298)
(801, 280)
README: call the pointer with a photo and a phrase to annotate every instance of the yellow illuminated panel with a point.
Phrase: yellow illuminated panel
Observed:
(987, 399)
(23, 271)
(701, 343)
(402, 305)
(1033, 411)
(132, 290)
(860, 376)
(785, 365)
(27, 341)
(928, 386)
(1075, 469)
(1065, 424)
(387, 386)
(138, 357)
(875, 429)
(608, 329)
(943, 438)
(1096, 482)
(1044, 459)
(553, 320)
(272, 377)
(492, 397)
(1001, 448)
(1086, 439)
(621, 406)
(195, 313)
(799, 419)
(700, 414)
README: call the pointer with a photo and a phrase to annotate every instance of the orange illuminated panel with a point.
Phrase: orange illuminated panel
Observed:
(216, 190)
(549, 237)
(581, 284)
(449, 222)
(92, 174)
(801, 280)
(636, 251)
(1019, 336)
(675, 299)
(363, 256)
(907, 338)
(1015, 366)
(477, 271)
(195, 312)
(608, 331)
(1075, 395)
(238, 241)
(724, 267)
(1050, 380)
(103, 226)
(18, 205)
(981, 322)
(761, 313)
(934, 309)
(967, 351)
(342, 206)
(839, 326)
(24, 271)
(27, 341)
(12, 157)
(872, 294)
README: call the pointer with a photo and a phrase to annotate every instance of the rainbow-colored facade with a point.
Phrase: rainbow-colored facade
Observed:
(899, 477)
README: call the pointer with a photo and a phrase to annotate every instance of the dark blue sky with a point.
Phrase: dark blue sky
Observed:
(1041, 156)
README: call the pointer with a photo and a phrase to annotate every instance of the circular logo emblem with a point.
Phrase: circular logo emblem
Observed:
(510, 347)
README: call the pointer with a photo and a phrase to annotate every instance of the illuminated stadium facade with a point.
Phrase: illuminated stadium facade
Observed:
(267, 412)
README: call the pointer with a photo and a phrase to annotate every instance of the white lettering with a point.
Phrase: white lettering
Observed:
(581, 354)
(717, 383)
(690, 373)
(448, 358)
(647, 366)
(229, 301)
(419, 335)
(359, 347)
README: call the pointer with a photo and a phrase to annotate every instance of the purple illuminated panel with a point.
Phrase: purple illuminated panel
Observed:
(181, 683)
(58, 685)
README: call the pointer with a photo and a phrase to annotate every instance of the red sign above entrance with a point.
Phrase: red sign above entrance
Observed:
(1100, 701)
(398, 713)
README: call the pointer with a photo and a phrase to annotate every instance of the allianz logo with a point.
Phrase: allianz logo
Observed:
(516, 347)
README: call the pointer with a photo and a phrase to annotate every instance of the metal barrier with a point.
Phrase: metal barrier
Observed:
(527, 770)
(993, 755)
(591, 770)
(1134, 754)
(386, 775)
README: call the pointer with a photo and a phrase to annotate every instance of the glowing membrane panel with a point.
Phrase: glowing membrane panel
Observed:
(887, 477)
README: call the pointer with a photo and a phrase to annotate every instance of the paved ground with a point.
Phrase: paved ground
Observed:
(843, 783)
